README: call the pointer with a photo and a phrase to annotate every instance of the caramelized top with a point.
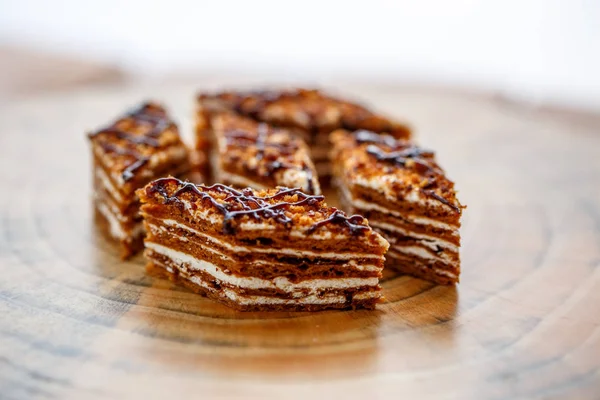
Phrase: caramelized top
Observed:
(264, 154)
(396, 167)
(309, 110)
(133, 138)
(282, 207)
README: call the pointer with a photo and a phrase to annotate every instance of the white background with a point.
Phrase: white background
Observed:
(542, 51)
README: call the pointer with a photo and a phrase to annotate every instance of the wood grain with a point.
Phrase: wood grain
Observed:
(76, 322)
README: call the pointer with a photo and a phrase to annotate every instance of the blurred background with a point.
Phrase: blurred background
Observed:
(538, 51)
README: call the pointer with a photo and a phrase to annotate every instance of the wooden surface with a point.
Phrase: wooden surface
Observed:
(75, 322)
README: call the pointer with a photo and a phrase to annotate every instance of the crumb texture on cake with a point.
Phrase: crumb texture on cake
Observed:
(276, 249)
(406, 196)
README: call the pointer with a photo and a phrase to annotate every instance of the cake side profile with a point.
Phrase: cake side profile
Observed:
(138, 147)
(276, 249)
(310, 114)
(406, 197)
(251, 154)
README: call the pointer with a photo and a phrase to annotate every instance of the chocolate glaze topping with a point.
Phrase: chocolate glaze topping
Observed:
(149, 114)
(238, 203)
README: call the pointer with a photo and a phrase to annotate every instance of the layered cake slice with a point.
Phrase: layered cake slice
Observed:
(276, 249)
(140, 146)
(251, 154)
(406, 197)
(310, 114)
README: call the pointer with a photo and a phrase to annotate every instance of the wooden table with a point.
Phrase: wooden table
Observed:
(76, 322)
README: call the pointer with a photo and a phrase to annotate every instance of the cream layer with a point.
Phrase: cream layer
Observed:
(108, 185)
(425, 240)
(265, 300)
(363, 205)
(422, 253)
(438, 271)
(298, 253)
(115, 227)
(280, 283)
(350, 264)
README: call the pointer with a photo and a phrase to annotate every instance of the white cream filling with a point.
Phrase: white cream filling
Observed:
(438, 271)
(422, 253)
(248, 299)
(281, 283)
(115, 227)
(351, 264)
(428, 241)
(299, 253)
(110, 205)
(361, 204)
(108, 185)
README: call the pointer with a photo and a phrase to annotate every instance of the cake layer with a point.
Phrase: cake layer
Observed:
(130, 240)
(252, 236)
(423, 268)
(406, 222)
(280, 286)
(243, 302)
(245, 262)
(119, 228)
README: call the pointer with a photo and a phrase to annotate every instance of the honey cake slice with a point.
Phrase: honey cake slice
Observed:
(251, 154)
(310, 114)
(276, 249)
(406, 197)
(139, 146)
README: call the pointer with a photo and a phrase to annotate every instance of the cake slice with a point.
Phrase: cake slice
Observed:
(251, 154)
(310, 114)
(406, 197)
(140, 146)
(276, 249)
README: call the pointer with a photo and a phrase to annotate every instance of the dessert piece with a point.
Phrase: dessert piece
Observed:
(405, 196)
(247, 153)
(140, 146)
(310, 114)
(276, 249)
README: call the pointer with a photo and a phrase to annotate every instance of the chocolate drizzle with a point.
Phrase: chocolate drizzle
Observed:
(353, 223)
(406, 155)
(441, 199)
(273, 161)
(149, 114)
(131, 169)
(239, 203)
(402, 157)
